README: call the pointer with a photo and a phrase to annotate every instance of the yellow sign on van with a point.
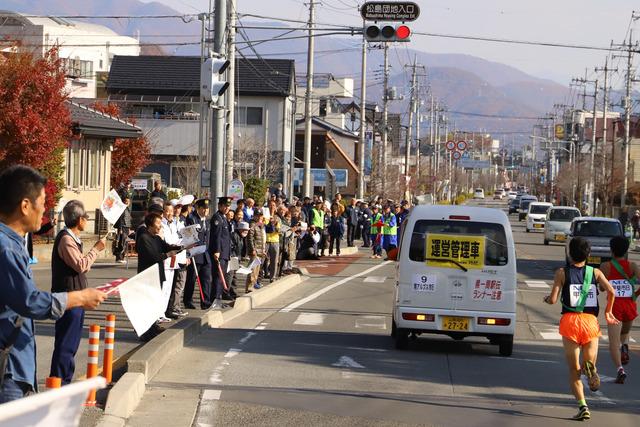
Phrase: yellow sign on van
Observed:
(466, 250)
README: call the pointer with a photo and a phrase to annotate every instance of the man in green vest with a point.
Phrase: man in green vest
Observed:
(376, 230)
(317, 219)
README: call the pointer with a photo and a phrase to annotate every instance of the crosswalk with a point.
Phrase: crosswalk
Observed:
(550, 333)
(359, 322)
(537, 284)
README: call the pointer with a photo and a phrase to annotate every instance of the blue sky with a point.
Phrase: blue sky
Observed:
(585, 22)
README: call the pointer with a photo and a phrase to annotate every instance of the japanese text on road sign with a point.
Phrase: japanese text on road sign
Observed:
(390, 11)
(466, 250)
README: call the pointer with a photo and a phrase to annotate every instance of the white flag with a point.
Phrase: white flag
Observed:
(60, 407)
(112, 207)
(142, 299)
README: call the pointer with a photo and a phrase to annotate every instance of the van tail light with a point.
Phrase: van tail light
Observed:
(460, 217)
(493, 321)
(419, 317)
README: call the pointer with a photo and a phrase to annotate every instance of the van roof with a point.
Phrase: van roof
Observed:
(565, 207)
(541, 204)
(473, 212)
(594, 218)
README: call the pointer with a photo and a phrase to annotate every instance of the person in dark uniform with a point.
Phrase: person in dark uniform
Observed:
(202, 261)
(220, 248)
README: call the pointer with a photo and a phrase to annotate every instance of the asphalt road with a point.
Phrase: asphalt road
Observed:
(322, 355)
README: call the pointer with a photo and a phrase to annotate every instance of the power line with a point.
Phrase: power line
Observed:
(491, 116)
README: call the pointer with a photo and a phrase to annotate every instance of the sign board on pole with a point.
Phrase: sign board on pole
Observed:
(461, 145)
(205, 179)
(319, 177)
(457, 155)
(559, 131)
(390, 11)
(235, 190)
(139, 184)
(451, 145)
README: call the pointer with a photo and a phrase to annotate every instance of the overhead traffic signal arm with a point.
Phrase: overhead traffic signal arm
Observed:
(387, 32)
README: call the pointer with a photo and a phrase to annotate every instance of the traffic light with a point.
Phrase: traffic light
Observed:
(387, 32)
(211, 87)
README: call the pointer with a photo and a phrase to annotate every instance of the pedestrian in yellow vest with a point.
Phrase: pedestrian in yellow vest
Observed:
(376, 231)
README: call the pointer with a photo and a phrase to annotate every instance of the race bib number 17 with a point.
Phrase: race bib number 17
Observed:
(622, 287)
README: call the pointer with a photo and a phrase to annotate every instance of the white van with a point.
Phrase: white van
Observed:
(478, 193)
(537, 215)
(456, 275)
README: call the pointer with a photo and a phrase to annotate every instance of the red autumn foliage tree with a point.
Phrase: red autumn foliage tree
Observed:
(129, 156)
(34, 120)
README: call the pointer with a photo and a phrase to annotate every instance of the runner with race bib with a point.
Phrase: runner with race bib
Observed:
(623, 276)
(577, 288)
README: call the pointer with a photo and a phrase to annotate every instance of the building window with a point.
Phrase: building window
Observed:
(77, 68)
(84, 168)
(248, 116)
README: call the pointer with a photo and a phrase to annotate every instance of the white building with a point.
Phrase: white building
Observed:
(85, 49)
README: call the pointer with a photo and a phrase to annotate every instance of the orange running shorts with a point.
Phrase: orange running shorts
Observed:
(580, 328)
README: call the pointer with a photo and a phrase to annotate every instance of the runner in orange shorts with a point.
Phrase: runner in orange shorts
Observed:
(577, 288)
(623, 276)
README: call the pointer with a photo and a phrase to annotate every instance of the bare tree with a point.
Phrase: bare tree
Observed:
(253, 159)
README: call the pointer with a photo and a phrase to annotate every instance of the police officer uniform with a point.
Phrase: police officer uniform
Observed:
(220, 243)
(202, 261)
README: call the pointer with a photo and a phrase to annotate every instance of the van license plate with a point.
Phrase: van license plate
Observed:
(538, 225)
(593, 260)
(561, 237)
(450, 323)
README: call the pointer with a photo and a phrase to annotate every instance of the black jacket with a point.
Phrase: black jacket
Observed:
(351, 214)
(152, 250)
(220, 238)
(125, 219)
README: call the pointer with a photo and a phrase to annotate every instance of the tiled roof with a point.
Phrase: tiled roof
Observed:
(327, 126)
(180, 75)
(94, 123)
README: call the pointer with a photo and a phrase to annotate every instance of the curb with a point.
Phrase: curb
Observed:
(144, 364)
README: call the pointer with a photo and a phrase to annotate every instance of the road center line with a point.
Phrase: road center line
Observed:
(324, 290)
(523, 360)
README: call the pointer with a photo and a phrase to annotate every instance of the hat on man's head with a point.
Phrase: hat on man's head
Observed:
(224, 200)
(187, 199)
(202, 203)
(174, 202)
(404, 203)
(243, 225)
(155, 208)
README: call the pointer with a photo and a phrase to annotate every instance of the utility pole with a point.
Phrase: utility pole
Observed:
(363, 117)
(231, 93)
(306, 186)
(605, 106)
(412, 115)
(204, 108)
(592, 190)
(218, 138)
(385, 118)
(431, 139)
(418, 120)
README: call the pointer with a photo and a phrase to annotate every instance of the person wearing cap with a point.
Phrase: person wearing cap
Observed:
(364, 220)
(389, 229)
(123, 227)
(351, 215)
(220, 249)
(256, 249)
(402, 215)
(69, 268)
(635, 223)
(202, 261)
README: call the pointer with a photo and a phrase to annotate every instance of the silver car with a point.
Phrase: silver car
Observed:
(558, 223)
(598, 231)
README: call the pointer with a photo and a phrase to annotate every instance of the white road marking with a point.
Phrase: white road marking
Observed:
(537, 284)
(207, 409)
(347, 362)
(261, 327)
(348, 348)
(523, 360)
(326, 289)
(346, 375)
(310, 319)
(378, 322)
(233, 352)
(247, 337)
(375, 279)
(551, 335)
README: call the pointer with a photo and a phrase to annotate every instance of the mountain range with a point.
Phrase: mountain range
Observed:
(465, 83)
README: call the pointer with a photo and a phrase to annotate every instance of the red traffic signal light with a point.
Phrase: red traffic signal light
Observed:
(387, 32)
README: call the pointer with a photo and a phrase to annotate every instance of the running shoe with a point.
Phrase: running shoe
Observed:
(257, 286)
(583, 414)
(622, 375)
(163, 319)
(589, 370)
(624, 354)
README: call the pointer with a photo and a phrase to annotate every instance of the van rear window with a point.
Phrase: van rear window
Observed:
(496, 251)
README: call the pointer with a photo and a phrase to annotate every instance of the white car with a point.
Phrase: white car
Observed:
(511, 195)
(478, 193)
(536, 215)
(497, 195)
(558, 223)
(456, 276)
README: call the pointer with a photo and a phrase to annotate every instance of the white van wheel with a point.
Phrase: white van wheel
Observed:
(506, 346)
(546, 242)
(401, 339)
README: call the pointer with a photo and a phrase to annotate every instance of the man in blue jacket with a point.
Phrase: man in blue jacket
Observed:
(23, 196)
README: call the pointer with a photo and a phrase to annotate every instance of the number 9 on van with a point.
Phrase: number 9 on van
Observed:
(424, 283)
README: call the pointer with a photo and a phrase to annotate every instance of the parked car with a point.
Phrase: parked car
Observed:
(536, 216)
(598, 231)
(478, 193)
(558, 223)
(497, 195)
(525, 201)
(456, 276)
